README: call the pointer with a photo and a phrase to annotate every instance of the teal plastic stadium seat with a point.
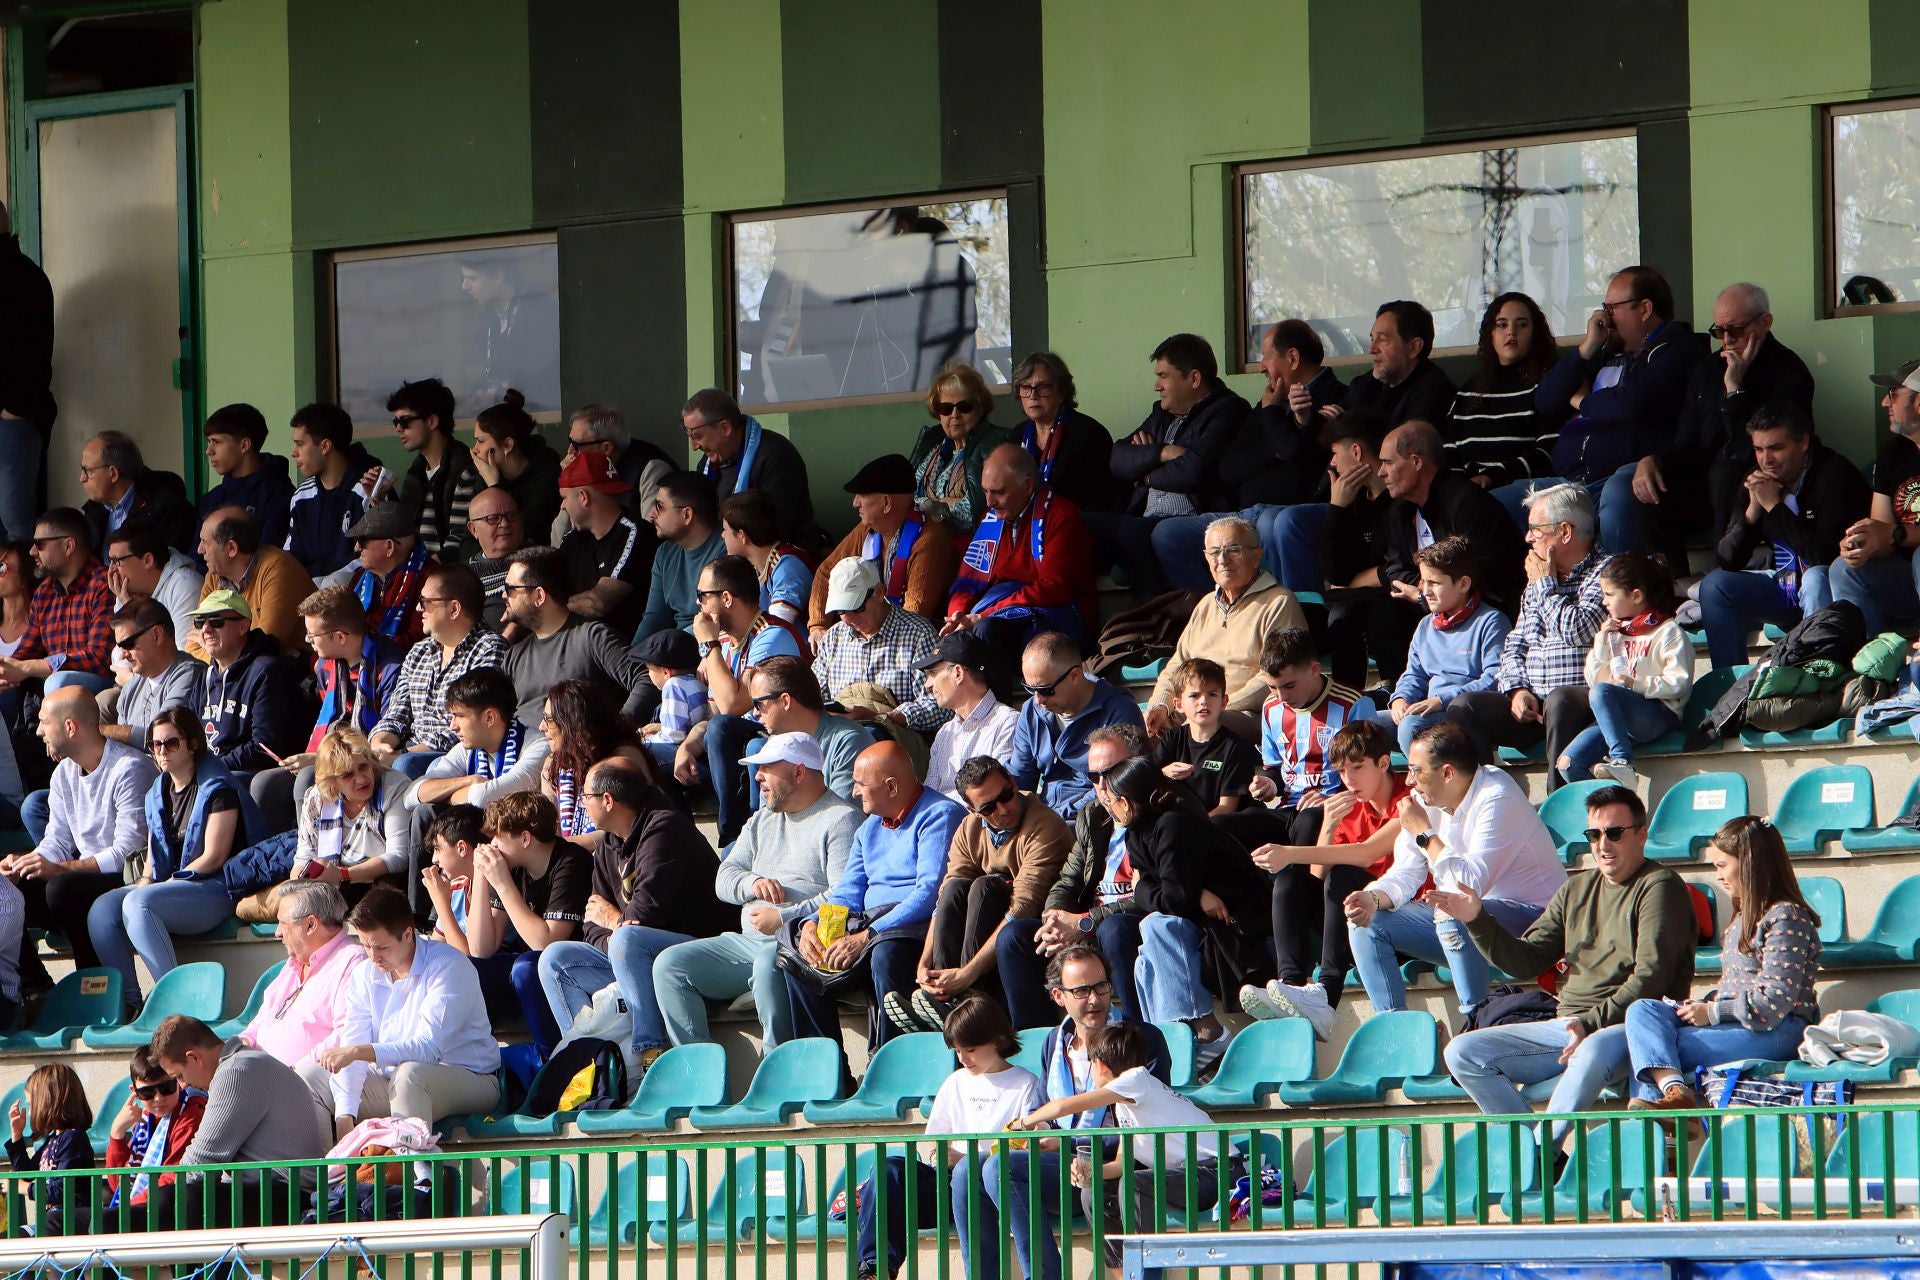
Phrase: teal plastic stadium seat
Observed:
(1706, 955)
(684, 1077)
(808, 1225)
(110, 1105)
(1385, 1050)
(536, 1189)
(1512, 1165)
(794, 1074)
(1439, 1087)
(1707, 690)
(258, 996)
(1904, 1005)
(1822, 803)
(1642, 1157)
(1143, 673)
(1690, 812)
(1887, 839)
(759, 1185)
(1565, 814)
(1894, 937)
(1355, 1171)
(906, 1070)
(85, 998)
(1758, 1150)
(628, 1204)
(1878, 1135)
(1828, 899)
(1180, 1053)
(1032, 1041)
(1260, 1058)
(1821, 735)
(197, 990)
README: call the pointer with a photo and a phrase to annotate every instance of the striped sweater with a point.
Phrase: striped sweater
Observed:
(1497, 431)
(1762, 990)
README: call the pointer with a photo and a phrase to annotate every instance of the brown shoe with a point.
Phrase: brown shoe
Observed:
(1676, 1097)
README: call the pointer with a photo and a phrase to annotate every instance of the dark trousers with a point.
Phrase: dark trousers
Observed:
(727, 739)
(1488, 716)
(965, 914)
(891, 965)
(1023, 970)
(62, 904)
(510, 983)
(1301, 902)
(1207, 1187)
(201, 1204)
(1363, 620)
(867, 1220)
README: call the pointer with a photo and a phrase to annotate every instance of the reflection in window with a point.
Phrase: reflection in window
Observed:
(1331, 242)
(870, 302)
(482, 317)
(1876, 207)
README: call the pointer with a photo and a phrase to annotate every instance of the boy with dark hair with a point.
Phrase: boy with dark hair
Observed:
(442, 480)
(255, 481)
(536, 888)
(1456, 647)
(339, 479)
(450, 839)
(1216, 765)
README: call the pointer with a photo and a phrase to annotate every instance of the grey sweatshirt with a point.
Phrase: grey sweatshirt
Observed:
(579, 650)
(804, 851)
(100, 815)
(258, 1109)
(142, 698)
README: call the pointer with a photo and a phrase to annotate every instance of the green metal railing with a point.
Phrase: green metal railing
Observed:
(760, 1205)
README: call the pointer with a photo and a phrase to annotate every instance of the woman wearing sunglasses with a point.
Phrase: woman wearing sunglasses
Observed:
(197, 816)
(153, 1129)
(951, 450)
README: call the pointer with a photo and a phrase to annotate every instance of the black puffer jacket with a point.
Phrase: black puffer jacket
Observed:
(1835, 634)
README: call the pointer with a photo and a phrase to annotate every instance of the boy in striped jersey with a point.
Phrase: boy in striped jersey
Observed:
(1306, 709)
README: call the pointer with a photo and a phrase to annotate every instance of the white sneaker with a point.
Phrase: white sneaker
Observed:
(1620, 771)
(1255, 1003)
(1309, 1001)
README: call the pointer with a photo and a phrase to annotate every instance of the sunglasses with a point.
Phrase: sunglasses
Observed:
(160, 746)
(768, 697)
(1098, 776)
(213, 622)
(988, 806)
(1046, 690)
(1593, 834)
(407, 419)
(158, 1089)
(132, 642)
(947, 408)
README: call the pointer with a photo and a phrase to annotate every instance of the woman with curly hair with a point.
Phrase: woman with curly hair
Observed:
(583, 727)
(1494, 432)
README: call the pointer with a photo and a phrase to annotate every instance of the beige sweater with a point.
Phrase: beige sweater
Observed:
(1231, 635)
(1032, 858)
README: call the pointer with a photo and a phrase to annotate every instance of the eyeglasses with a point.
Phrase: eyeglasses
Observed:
(1044, 690)
(160, 746)
(702, 595)
(1730, 332)
(1624, 302)
(216, 621)
(1005, 797)
(495, 521)
(1232, 551)
(405, 420)
(132, 642)
(947, 408)
(158, 1089)
(508, 588)
(1091, 989)
(86, 470)
(698, 429)
(117, 561)
(1029, 390)
(1535, 530)
(1593, 834)
(427, 600)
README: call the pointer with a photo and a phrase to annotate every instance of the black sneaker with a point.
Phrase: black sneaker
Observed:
(931, 1012)
(900, 1013)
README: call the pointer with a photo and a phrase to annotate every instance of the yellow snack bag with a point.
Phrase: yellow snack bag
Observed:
(832, 925)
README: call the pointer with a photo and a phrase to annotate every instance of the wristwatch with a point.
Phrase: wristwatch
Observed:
(1085, 923)
(1424, 839)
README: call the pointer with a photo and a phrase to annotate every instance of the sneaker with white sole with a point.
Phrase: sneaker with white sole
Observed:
(900, 1013)
(1620, 771)
(1206, 1053)
(1256, 1004)
(1308, 1000)
(931, 1012)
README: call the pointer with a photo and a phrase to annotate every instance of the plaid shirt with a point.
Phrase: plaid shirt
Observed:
(885, 658)
(1547, 648)
(69, 626)
(418, 712)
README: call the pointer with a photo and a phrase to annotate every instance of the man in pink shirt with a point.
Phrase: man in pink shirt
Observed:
(305, 1003)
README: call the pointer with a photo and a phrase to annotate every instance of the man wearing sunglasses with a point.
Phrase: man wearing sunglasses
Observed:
(442, 480)
(1064, 705)
(739, 454)
(163, 676)
(248, 703)
(1173, 461)
(1004, 860)
(1626, 931)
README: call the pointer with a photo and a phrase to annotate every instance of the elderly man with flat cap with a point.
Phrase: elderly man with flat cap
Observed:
(916, 573)
(611, 552)
(392, 567)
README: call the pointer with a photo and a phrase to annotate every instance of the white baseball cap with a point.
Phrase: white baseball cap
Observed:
(850, 583)
(789, 748)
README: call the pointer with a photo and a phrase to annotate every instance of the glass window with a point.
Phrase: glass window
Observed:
(1874, 227)
(868, 303)
(1329, 241)
(480, 315)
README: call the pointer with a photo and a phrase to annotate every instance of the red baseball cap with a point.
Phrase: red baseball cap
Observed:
(593, 470)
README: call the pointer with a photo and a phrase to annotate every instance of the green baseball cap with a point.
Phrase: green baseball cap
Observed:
(223, 601)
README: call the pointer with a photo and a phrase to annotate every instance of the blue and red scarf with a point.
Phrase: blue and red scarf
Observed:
(895, 572)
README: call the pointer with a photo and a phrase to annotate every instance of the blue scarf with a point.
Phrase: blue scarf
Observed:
(1030, 441)
(497, 764)
(1061, 1084)
(573, 818)
(711, 469)
(986, 539)
(393, 619)
(333, 693)
(896, 575)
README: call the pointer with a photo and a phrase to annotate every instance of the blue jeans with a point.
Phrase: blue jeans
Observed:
(1415, 929)
(1884, 590)
(1023, 970)
(721, 968)
(1492, 1065)
(1657, 1038)
(413, 764)
(1126, 542)
(20, 447)
(519, 972)
(572, 972)
(1411, 725)
(1030, 1174)
(895, 1170)
(35, 811)
(1168, 970)
(144, 918)
(1734, 601)
(1291, 541)
(76, 680)
(1621, 718)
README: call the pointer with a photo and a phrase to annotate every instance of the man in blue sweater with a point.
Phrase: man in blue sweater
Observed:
(1064, 705)
(892, 877)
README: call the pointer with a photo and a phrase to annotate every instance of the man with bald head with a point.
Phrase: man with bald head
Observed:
(891, 881)
(1433, 501)
(96, 820)
(271, 581)
(1029, 567)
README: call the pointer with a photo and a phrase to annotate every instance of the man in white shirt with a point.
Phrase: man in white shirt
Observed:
(981, 724)
(1468, 825)
(416, 1040)
(496, 755)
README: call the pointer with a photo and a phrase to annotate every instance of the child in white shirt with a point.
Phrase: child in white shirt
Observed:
(985, 1096)
(1118, 1055)
(1639, 672)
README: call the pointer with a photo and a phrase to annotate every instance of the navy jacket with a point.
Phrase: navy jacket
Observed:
(1426, 395)
(318, 519)
(1212, 427)
(1713, 424)
(1281, 461)
(266, 495)
(1621, 423)
(160, 501)
(250, 706)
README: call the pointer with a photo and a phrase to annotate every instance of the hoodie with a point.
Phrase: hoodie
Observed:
(318, 518)
(266, 495)
(251, 706)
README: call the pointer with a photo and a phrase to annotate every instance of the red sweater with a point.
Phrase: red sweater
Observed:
(1063, 575)
(186, 1120)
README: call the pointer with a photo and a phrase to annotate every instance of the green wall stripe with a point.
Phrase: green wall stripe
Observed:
(860, 126)
(1364, 73)
(623, 336)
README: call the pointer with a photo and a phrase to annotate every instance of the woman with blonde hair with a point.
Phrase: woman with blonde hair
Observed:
(1765, 998)
(355, 824)
(951, 450)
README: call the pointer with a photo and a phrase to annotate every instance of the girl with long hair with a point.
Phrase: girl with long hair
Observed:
(583, 727)
(1494, 432)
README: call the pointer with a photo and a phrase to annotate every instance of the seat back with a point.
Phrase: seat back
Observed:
(1504, 1169)
(110, 1106)
(535, 1188)
(84, 998)
(1828, 898)
(1267, 1053)
(764, 1171)
(258, 996)
(1756, 1148)
(1636, 1171)
(1833, 797)
(196, 990)
(1565, 814)
(910, 1066)
(1875, 1135)
(1032, 1041)
(684, 1077)
(1179, 1052)
(1391, 1046)
(1693, 808)
(1352, 1168)
(1904, 1005)
(795, 1069)
(1897, 923)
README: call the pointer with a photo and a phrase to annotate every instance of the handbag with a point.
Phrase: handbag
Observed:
(831, 982)
(1732, 1084)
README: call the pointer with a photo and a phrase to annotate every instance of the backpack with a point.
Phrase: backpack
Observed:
(587, 1074)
